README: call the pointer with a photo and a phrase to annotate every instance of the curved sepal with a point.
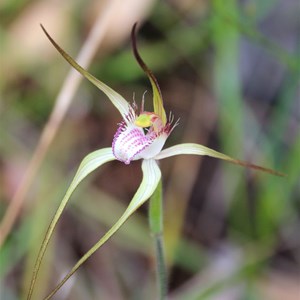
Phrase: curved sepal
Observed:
(157, 96)
(197, 149)
(117, 100)
(91, 162)
(151, 177)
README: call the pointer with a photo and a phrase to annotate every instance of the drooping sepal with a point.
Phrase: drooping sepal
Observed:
(90, 163)
(151, 178)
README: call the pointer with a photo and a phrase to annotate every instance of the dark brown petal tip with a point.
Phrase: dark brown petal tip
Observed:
(140, 60)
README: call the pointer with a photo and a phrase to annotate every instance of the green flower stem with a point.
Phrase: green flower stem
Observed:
(156, 228)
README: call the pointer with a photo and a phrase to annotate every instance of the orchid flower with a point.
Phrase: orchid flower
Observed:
(141, 135)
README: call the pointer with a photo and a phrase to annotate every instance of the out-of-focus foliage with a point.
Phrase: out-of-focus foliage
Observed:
(230, 70)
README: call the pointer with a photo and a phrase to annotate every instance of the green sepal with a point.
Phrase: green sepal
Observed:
(117, 100)
(91, 162)
(151, 178)
(197, 149)
(158, 104)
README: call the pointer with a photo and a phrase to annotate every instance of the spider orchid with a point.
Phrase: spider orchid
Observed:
(141, 135)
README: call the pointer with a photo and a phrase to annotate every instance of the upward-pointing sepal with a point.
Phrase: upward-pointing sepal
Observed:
(117, 100)
(158, 104)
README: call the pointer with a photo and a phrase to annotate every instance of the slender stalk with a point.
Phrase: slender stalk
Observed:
(156, 228)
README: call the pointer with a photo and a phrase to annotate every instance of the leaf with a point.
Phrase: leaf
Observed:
(157, 96)
(91, 162)
(151, 178)
(117, 100)
(197, 149)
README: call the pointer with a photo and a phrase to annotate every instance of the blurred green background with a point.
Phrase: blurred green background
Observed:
(230, 71)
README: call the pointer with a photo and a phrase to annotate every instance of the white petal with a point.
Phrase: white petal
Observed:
(190, 148)
(197, 149)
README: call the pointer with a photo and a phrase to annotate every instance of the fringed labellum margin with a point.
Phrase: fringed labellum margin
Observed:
(140, 136)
